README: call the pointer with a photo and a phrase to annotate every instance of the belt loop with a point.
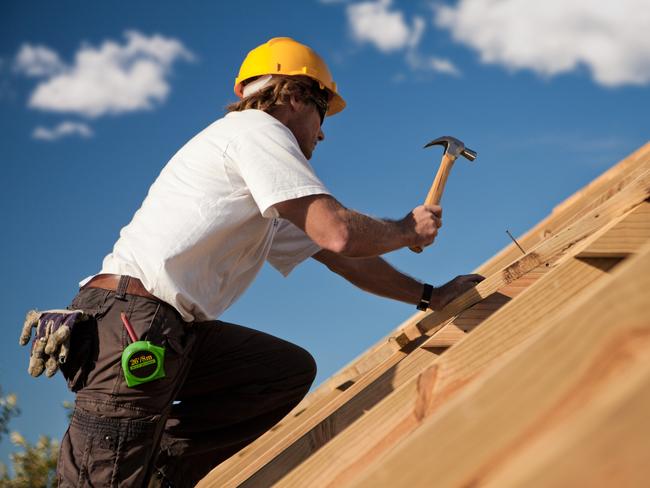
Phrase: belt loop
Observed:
(122, 286)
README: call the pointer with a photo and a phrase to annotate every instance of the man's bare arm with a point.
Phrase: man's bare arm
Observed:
(377, 276)
(344, 231)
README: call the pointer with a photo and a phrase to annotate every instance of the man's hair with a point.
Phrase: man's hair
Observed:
(280, 91)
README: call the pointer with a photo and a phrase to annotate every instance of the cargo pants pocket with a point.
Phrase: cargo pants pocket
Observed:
(107, 451)
(84, 345)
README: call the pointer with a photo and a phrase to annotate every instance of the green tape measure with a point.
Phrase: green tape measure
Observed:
(142, 361)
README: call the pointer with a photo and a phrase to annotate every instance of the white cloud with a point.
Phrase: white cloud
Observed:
(37, 61)
(112, 78)
(374, 22)
(62, 130)
(418, 62)
(557, 36)
(377, 23)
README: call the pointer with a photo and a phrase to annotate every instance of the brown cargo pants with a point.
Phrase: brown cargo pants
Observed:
(225, 385)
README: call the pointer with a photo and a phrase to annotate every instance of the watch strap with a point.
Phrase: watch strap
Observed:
(425, 301)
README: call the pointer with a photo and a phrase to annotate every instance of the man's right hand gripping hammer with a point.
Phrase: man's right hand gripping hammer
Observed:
(51, 344)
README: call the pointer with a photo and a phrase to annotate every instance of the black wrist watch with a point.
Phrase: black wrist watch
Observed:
(425, 301)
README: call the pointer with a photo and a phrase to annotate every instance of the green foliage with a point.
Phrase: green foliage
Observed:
(69, 406)
(34, 466)
(8, 409)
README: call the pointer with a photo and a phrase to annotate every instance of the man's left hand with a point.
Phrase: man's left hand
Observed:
(453, 289)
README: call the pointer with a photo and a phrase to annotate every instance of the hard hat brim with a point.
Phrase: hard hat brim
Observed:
(336, 105)
(287, 57)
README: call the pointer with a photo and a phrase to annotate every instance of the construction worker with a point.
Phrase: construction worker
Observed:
(164, 390)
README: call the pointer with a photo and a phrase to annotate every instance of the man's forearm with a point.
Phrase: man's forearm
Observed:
(374, 275)
(369, 237)
(377, 276)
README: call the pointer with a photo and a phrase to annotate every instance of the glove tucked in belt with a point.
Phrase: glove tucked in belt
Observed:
(51, 343)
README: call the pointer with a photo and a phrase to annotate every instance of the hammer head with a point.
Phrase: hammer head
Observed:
(453, 147)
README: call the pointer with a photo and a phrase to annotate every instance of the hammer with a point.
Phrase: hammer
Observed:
(453, 149)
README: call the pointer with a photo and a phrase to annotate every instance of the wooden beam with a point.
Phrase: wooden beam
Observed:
(573, 208)
(635, 193)
(315, 421)
(267, 460)
(307, 411)
(578, 360)
(440, 379)
(595, 193)
(625, 238)
(605, 445)
(449, 335)
(390, 420)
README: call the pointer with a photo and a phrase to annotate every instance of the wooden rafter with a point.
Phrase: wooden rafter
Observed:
(592, 356)
(595, 193)
(268, 458)
(636, 192)
(608, 185)
(402, 411)
(383, 373)
(625, 238)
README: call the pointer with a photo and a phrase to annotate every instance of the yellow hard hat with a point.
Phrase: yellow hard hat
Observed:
(284, 56)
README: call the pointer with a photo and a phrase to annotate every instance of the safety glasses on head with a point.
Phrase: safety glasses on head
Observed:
(321, 105)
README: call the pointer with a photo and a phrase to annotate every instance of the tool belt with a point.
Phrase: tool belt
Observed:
(111, 282)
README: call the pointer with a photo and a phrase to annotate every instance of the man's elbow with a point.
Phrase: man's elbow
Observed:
(337, 240)
(343, 243)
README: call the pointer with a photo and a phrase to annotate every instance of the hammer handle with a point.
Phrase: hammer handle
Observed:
(435, 192)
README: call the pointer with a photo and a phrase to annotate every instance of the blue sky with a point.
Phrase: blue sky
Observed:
(549, 94)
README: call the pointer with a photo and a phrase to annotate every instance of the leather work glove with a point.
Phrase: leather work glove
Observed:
(51, 344)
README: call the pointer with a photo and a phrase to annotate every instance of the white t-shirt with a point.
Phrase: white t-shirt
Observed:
(207, 224)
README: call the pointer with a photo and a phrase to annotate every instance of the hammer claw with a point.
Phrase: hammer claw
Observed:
(453, 147)
(469, 154)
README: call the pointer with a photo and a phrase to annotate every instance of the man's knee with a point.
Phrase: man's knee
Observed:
(304, 364)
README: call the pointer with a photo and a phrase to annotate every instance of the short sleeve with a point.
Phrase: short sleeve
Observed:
(290, 247)
(273, 167)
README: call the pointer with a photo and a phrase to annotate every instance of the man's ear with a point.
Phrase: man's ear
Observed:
(295, 104)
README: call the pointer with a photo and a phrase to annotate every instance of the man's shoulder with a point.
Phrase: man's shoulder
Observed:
(247, 120)
(249, 127)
